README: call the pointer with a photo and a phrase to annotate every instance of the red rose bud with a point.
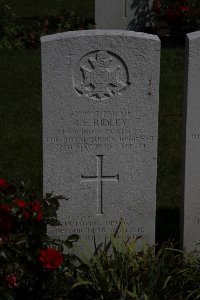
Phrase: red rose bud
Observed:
(36, 205)
(4, 184)
(51, 258)
(11, 281)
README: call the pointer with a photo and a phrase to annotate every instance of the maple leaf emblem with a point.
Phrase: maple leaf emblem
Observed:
(100, 81)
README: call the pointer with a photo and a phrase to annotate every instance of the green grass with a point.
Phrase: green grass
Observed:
(170, 127)
(27, 8)
(20, 115)
(170, 144)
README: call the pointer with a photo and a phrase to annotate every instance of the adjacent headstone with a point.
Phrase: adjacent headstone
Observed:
(191, 210)
(123, 14)
(100, 115)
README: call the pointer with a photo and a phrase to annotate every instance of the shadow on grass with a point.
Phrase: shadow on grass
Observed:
(168, 225)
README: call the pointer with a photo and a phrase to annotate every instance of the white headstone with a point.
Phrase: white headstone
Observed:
(123, 14)
(100, 115)
(191, 211)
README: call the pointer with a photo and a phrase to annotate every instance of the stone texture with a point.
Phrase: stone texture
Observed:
(100, 115)
(123, 14)
(191, 207)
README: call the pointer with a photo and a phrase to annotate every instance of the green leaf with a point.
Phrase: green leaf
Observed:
(131, 294)
(81, 283)
(21, 239)
(53, 222)
(70, 240)
(73, 238)
(166, 282)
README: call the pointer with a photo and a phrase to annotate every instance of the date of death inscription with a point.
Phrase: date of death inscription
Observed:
(92, 130)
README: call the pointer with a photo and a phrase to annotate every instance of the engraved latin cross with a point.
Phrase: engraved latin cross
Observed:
(99, 178)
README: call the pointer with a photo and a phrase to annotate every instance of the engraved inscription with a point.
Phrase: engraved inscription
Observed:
(98, 130)
(99, 178)
(100, 75)
(90, 228)
(195, 136)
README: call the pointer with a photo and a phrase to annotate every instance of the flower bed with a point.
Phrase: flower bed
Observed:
(35, 267)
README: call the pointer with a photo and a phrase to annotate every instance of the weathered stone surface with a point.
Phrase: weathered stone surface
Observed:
(123, 14)
(100, 114)
(191, 210)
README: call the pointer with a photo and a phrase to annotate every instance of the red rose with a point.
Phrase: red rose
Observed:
(26, 215)
(184, 9)
(39, 216)
(5, 218)
(37, 209)
(20, 203)
(5, 208)
(11, 281)
(173, 17)
(50, 258)
(4, 184)
(5, 187)
(36, 205)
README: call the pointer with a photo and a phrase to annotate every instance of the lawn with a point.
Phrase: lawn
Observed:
(170, 127)
(21, 116)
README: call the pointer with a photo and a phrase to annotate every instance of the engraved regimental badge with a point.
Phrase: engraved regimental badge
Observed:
(100, 75)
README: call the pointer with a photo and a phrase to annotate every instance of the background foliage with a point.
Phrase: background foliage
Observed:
(176, 17)
(25, 32)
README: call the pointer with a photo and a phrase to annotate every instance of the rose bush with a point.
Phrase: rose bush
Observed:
(32, 265)
(177, 15)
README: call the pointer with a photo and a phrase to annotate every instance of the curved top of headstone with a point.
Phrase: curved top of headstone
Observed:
(193, 35)
(98, 32)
